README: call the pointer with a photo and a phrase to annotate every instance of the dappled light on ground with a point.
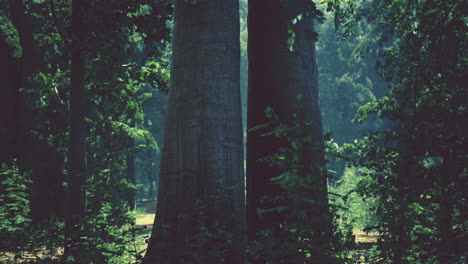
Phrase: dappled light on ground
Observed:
(145, 219)
(365, 237)
(39, 254)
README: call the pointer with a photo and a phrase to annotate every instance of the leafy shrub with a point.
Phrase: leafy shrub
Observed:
(355, 208)
(14, 207)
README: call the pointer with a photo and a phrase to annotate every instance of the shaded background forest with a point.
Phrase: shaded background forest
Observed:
(393, 98)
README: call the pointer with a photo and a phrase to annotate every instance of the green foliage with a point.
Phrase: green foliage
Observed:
(347, 81)
(14, 206)
(10, 36)
(126, 50)
(416, 164)
(343, 14)
(355, 209)
(117, 97)
(20, 236)
(109, 235)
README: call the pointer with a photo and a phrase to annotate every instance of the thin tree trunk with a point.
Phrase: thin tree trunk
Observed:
(277, 76)
(201, 177)
(447, 244)
(75, 204)
(46, 199)
(404, 171)
(131, 171)
(10, 77)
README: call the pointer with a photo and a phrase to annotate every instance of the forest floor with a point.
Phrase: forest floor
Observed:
(364, 243)
(363, 237)
(144, 225)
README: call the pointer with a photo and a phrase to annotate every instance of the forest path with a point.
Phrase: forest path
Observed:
(365, 241)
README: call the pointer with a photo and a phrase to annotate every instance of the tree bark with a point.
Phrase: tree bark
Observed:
(46, 196)
(131, 170)
(277, 76)
(447, 244)
(75, 204)
(201, 176)
(10, 76)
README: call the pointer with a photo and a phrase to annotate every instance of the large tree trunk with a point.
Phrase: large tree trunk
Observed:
(277, 76)
(75, 204)
(201, 177)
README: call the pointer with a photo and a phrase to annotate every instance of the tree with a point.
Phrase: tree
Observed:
(201, 188)
(416, 165)
(75, 204)
(131, 170)
(283, 77)
(10, 50)
(348, 79)
(36, 105)
(21, 143)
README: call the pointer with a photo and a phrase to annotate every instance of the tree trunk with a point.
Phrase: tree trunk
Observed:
(201, 188)
(447, 244)
(131, 170)
(277, 76)
(46, 196)
(10, 76)
(75, 204)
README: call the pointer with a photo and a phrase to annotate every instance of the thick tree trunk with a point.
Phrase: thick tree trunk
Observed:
(277, 76)
(201, 177)
(75, 204)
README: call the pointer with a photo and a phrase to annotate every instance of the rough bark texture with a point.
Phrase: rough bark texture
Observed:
(276, 77)
(201, 176)
(75, 204)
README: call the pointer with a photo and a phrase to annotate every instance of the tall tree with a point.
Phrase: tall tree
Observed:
(201, 188)
(75, 205)
(418, 162)
(11, 52)
(23, 133)
(283, 75)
